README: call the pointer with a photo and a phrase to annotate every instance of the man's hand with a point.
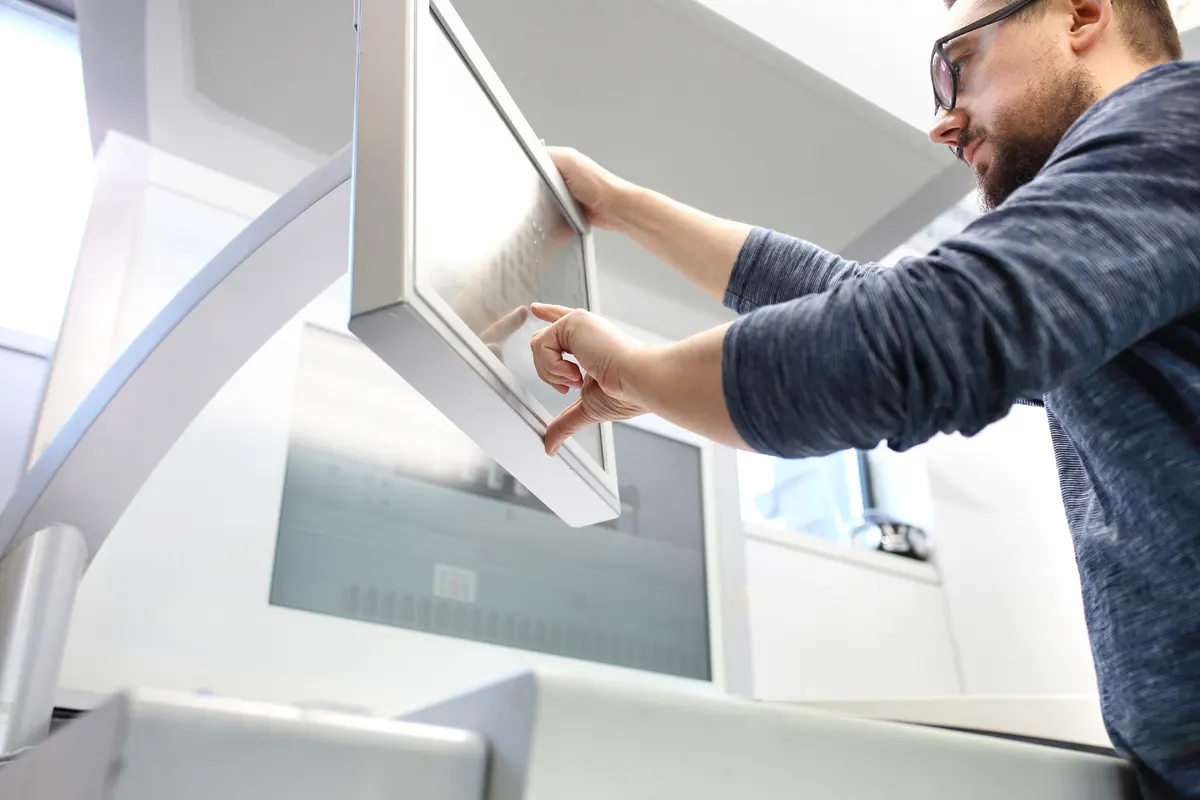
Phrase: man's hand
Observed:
(608, 359)
(702, 247)
(597, 190)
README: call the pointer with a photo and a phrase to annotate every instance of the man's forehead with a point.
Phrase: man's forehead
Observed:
(964, 12)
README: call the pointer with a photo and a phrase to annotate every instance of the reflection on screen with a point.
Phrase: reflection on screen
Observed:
(390, 515)
(491, 236)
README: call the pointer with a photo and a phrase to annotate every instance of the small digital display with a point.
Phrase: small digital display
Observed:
(491, 236)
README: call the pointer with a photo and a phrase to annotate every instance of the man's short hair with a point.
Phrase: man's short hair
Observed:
(1147, 26)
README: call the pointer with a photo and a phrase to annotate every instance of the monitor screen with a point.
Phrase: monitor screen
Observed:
(491, 236)
(391, 515)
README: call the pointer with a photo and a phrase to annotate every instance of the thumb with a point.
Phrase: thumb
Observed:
(572, 420)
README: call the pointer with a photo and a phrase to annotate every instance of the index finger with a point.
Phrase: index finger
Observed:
(548, 312)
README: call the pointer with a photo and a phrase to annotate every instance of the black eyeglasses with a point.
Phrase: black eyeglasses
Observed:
(943, 73)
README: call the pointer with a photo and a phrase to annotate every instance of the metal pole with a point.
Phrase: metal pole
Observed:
(38, 581)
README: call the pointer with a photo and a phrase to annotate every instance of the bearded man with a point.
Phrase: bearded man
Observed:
(1079, 291)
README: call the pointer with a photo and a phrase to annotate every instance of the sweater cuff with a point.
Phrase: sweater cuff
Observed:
(737, 403)
(743, 267)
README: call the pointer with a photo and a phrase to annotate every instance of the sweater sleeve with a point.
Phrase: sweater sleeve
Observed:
(1096, 253)
(773, 267)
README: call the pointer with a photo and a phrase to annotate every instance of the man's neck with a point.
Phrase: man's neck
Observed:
(1112, 74)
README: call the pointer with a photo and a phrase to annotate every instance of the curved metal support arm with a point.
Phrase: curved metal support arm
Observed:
(97, 463)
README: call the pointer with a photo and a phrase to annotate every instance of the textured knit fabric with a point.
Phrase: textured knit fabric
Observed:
(1082, 288)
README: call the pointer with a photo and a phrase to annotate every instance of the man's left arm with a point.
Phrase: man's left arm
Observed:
(1096, 254)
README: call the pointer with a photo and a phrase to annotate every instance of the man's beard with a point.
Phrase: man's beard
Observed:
(1023, 139)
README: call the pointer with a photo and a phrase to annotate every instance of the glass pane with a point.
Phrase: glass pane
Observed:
(391, 515)
(491, 235)
(822, 497)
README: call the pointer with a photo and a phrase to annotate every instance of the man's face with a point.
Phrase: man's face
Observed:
(1018, 93)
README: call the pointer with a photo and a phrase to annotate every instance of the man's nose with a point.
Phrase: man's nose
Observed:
(948, 127)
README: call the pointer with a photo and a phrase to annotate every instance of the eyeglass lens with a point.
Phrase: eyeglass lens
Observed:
(943, 80)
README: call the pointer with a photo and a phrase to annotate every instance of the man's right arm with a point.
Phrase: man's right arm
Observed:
(738, 264)
(743, 266)
(700, 246)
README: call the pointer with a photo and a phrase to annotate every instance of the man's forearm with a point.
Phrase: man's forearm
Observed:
(681, 383)
(702, 247)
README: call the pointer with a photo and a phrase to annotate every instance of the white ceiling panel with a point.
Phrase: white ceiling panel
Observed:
(878, 49)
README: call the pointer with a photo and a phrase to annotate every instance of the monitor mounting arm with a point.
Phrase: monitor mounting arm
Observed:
(67, 504)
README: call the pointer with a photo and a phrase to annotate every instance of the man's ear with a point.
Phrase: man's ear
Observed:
(1089, 20)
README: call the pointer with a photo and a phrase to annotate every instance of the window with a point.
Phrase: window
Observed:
(46, 161)
(822, 497)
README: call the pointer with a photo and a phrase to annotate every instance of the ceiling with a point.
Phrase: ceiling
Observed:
(830, 36)
(668, 93)
(878, 49)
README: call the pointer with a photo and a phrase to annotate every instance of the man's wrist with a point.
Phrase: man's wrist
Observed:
(645, 367)
(628, 206)
(682, 383)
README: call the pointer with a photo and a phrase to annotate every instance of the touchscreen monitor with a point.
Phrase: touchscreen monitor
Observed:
(461, 221)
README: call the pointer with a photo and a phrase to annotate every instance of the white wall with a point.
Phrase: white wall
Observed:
(828, 627)
(1006, 560)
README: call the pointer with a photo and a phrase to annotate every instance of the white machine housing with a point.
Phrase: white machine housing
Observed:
(538, 737)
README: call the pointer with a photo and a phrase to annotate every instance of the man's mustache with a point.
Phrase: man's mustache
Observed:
(964, 142)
